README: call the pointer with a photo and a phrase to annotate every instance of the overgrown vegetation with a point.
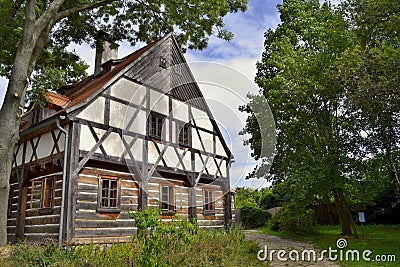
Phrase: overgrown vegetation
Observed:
(178, 243)
(253, 206)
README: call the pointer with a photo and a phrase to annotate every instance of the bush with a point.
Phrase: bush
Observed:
(269, 200)
(294, 219)
(253, 217)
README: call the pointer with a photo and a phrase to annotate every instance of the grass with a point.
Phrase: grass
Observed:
(207, 248)
(380, 239)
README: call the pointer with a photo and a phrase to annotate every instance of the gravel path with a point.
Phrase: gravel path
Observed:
(270, 242)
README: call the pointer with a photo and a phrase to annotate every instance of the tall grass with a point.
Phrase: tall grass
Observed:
(176, 244)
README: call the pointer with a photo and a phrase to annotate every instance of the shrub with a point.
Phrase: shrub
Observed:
(253, 217)
(269, 200)
(293, 218)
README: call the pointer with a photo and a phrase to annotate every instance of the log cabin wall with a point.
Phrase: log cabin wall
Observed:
(94, 223)
(35, 187)
(42, 218)
(99, 225)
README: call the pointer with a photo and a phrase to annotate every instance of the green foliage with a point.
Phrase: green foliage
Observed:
(207, 248)
(269, 200)
(330, 76)
(253, 217)
(253, 205)
(246, 197)
(294, 219)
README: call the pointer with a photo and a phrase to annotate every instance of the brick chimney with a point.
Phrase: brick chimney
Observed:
(106, 49)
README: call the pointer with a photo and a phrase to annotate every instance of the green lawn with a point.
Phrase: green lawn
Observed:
(382, 240)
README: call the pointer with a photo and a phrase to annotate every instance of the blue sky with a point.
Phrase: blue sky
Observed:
(232, 65)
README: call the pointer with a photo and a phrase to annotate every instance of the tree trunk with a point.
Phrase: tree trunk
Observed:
(9, 132)
(346, 220)
(392, 168)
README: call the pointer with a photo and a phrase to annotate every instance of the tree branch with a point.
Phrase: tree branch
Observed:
(74, 10)
(43, 21)
(12, 12)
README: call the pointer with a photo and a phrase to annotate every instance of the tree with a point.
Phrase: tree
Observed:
(369, 72)
(34, 25)
(297, 74)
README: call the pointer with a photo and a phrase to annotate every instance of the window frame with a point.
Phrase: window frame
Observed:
(208, 206)
(10, 201)
(182, 127)
(46, 202)
(171, 200)
(163, 62)
(158, 135)
(109, 208)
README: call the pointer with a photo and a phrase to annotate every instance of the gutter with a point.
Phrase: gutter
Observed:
(64, 179)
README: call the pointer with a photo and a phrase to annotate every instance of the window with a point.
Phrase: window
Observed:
(184, 135)
(163, 62)
(155, 125)
(109, 194)
(208, 202)
(167, 199)
(42, 193)
(10, 201)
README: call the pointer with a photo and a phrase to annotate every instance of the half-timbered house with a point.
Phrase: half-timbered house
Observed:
(138, 133)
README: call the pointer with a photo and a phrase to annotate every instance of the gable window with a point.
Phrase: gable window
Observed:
(184, 135)
(155, 125)
(167, 199)
(109, 194)
(209, 206)
(163, 62)
(42, 193)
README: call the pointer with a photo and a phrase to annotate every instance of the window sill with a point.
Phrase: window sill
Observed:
(108, 210)
(184, 146)
(209, 213)
(168, 212)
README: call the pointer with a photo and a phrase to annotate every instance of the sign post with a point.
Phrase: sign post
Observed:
(361, 219)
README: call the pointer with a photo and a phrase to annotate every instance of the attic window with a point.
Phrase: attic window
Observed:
(163, 62)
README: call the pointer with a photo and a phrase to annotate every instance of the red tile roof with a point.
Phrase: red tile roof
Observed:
(57, 99)
(90, 85)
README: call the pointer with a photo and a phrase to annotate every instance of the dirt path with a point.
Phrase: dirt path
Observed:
(269, 243)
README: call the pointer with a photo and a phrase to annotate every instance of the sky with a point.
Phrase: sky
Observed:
(225, 72)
